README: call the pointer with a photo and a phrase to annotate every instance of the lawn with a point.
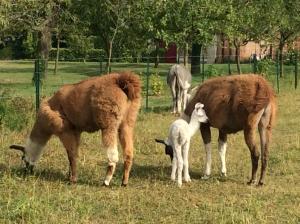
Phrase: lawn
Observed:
(150, 197)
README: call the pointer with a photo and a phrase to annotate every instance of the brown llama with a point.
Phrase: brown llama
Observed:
(235, 103)
(109, 103)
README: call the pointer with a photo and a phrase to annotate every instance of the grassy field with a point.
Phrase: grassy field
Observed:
(151, 197)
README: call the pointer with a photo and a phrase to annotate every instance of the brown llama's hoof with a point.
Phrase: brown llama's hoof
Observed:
(73, 180)
(251, 182)
(105, 184)
(205, 177)
(260, 184)
(29, 169)
(124, 185)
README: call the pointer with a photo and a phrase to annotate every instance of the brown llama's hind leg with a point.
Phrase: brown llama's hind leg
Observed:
(265, 135)
(126, 140)
(70, 140)
(109, 140)
(249, 134)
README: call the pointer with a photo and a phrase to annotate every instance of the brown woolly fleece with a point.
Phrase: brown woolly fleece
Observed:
(109, 103)
(93, 104)
(228, 101)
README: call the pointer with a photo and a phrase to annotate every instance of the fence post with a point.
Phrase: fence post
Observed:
(200, 72)
(100, 68)
(147, 83)
(296, 70)
(37, 83)
(255, 64)
(277, 69)
(229, 68)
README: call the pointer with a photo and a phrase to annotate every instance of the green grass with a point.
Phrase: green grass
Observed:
(151, 197)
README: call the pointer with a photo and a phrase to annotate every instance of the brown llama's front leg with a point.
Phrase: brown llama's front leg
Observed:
(126, 140)
(206, 137)
(71, 141)
(109, 140)
(249, 136)
(222, 147)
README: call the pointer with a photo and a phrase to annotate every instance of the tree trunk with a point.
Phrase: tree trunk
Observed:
(281, 45)
(156, 54)
(44, 45)
(57, 53)
(109, 56)
(186, 50)
(237, 56)
(223, 49)
(271, 52)
(195, 60)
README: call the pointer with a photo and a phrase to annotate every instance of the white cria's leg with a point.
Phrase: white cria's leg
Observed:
(174, 166)
(179, 165)
(185, 152)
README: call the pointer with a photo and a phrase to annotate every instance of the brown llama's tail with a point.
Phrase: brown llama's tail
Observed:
(273, 114)
(131, 85)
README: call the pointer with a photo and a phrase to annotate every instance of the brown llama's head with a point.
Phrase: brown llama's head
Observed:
(29, 167)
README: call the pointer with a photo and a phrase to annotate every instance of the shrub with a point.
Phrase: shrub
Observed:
(6, 53)
(15, 112)
(156, 84)
(265, 66)
(211, 71)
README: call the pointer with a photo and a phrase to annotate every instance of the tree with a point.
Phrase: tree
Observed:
(245, 21)
(63, 23)
(193, 23)
(31, 16)
(286, 15)
(106, 19)
(5, 6)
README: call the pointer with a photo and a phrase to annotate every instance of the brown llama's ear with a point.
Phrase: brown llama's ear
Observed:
(18, 147)
(160, 141)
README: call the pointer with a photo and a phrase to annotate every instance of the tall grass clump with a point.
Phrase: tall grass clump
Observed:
(15, 112)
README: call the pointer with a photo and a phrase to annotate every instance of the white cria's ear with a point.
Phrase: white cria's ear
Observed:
(199, 105)
(199, 109)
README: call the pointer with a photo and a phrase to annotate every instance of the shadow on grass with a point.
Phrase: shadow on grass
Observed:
(44, 174)
(88, 176)
(151, 173)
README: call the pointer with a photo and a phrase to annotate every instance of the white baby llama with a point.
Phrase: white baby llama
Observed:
(178, 142)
